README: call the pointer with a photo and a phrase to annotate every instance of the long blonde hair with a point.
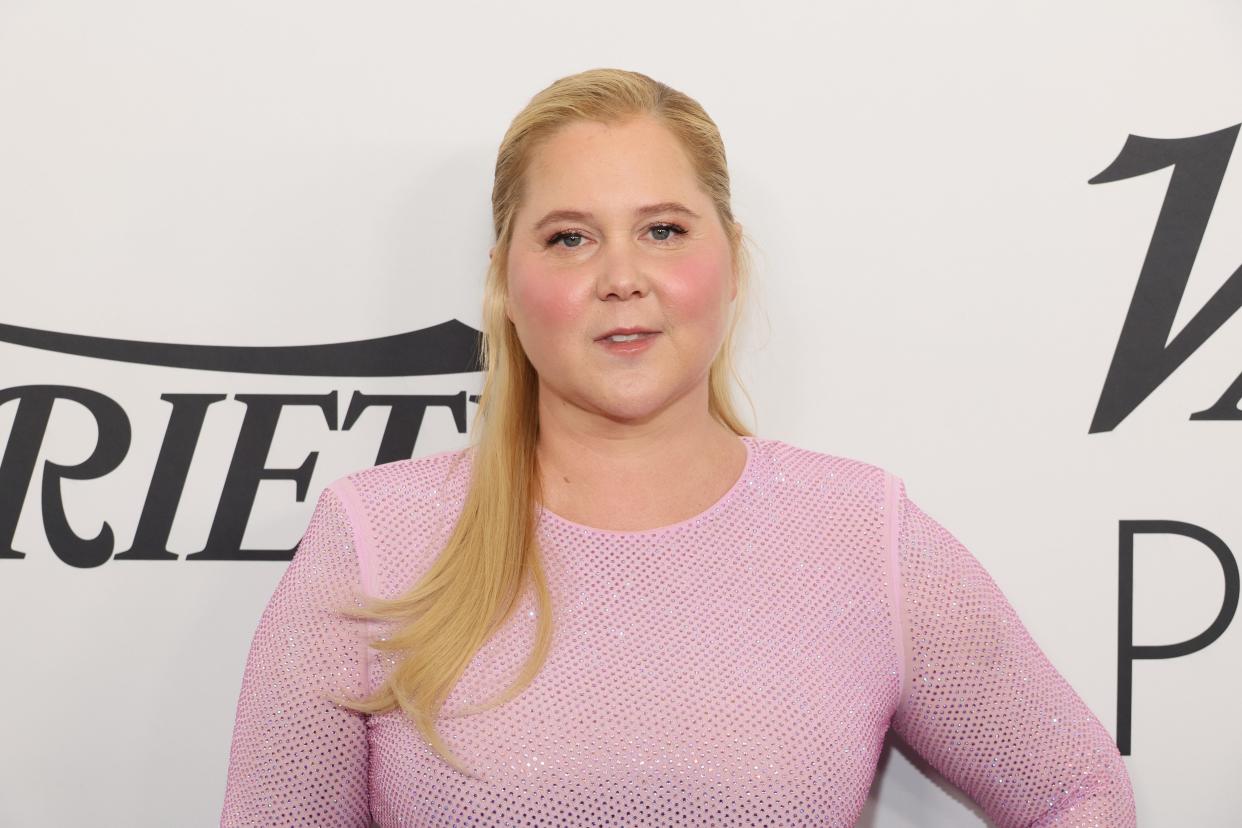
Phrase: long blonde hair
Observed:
(476, 581)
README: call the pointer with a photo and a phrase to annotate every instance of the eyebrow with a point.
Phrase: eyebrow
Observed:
(641, 212)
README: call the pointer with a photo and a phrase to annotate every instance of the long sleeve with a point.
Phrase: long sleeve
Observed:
(982, 703)
(296, 757)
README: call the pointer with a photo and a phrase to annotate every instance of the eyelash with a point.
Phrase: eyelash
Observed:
(677, 230)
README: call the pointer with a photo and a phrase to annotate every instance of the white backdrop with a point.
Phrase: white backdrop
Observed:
(940, 291)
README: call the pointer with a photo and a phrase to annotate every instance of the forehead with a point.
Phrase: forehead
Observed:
(589, 162)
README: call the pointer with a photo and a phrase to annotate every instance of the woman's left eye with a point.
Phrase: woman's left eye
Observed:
(669, 229)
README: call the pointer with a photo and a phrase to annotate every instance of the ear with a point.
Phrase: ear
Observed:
(491, 252)
(738, 227)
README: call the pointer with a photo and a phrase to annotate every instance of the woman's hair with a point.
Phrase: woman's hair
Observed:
(475, 583)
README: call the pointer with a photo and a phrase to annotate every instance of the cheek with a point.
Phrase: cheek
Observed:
(542, 305)
(699, 287)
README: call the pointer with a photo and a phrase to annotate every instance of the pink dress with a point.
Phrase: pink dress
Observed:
(740, 667)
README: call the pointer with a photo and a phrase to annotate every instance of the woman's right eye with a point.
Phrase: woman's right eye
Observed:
(568, 234)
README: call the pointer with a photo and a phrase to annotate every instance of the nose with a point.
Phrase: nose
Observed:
(622, 274)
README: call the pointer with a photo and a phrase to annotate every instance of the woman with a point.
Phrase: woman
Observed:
(618, 606)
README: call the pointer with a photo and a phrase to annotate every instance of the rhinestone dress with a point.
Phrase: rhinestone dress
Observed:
(740, 667)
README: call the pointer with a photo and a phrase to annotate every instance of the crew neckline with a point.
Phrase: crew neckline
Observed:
(748, 441)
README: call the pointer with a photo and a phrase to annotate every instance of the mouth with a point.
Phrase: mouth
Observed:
(629, 343)
(619, 335)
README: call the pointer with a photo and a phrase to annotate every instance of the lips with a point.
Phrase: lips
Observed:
(630, 347)
(624, 331)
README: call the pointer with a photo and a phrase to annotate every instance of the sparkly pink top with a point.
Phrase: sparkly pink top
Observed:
(740, 667)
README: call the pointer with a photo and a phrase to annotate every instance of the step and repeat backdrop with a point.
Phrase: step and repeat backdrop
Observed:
(242, 248)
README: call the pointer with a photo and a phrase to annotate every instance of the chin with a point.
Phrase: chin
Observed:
(617, 405)
(628, 413)
(636, 406)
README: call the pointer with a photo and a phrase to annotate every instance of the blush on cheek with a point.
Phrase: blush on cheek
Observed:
(545, 302)
(698, 285)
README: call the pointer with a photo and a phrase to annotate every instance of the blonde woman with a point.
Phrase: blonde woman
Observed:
(617, 605)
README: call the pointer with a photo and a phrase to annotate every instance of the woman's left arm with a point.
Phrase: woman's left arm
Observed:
(980, 700)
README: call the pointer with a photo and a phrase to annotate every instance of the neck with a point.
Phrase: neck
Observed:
(598, 469)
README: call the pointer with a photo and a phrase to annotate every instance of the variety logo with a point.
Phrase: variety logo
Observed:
(449, 348)
(1145, 357)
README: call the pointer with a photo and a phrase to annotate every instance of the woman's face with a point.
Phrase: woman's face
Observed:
(614, 232)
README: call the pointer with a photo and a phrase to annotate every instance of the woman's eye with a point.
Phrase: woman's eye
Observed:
(669, 230)
(566, 236)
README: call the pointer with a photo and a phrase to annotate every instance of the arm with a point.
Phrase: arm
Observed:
(296, 757)
(980, 700)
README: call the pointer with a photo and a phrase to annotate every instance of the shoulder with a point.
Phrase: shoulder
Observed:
(402, 511)
(796, 465)
(405, 488)
(829, 490)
